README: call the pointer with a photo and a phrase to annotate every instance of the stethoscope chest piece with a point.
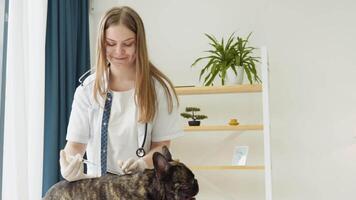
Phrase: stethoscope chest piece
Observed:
(140, 152)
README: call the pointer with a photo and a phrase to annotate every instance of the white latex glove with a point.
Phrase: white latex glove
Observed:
(72, 168)
(132, 166)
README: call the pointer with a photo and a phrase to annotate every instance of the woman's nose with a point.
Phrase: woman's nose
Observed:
(119, 50)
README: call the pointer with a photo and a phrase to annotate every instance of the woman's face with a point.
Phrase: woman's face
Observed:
(120, 44)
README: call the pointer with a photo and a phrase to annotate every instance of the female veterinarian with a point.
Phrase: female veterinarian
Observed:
(125, 111)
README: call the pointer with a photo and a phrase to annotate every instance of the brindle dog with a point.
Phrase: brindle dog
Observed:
(169, 180)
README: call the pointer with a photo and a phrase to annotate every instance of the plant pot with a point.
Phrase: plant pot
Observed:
(194, 123)
(232, 79)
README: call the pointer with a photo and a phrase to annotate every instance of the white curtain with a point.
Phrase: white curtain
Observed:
(24, 100)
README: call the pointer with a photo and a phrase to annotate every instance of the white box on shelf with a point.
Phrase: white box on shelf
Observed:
(239, 156)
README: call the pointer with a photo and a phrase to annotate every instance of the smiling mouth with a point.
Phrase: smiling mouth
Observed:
(120, 58)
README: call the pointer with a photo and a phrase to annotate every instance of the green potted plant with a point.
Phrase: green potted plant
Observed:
(195, 118)
(230, 56)
(220, 58)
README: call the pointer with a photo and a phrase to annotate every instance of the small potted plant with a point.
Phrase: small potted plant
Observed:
(193, 116)
(232, 57)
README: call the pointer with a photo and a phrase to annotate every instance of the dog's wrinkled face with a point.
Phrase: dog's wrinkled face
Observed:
(178, 180)
(183, 183)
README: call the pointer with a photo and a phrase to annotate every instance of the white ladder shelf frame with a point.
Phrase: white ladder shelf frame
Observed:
(266, 123)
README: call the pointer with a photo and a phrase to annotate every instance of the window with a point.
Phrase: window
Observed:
(3, 43)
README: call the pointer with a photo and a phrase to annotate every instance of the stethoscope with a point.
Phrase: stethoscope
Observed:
(140, 152)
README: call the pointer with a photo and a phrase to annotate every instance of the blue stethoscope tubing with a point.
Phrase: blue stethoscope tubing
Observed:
(140, 152)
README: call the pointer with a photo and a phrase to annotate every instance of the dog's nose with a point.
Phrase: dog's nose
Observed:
(196, 187)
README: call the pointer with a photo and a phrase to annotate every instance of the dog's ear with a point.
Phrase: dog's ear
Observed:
(166, 153)
(161, 166)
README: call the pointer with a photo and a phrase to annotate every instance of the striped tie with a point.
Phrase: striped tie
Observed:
(104, 133)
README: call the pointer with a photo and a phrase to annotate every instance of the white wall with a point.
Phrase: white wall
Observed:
(312, 64)
(312, 98)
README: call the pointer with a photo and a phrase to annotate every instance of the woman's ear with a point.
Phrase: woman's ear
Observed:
(161, 165)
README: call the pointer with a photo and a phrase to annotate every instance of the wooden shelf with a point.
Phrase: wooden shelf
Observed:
(224, 128)
(247, 88)
(227, 167)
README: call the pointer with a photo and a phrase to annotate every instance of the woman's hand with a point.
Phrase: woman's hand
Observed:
(131, 165)
(72, 168)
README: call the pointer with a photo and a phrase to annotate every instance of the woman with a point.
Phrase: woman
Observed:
(126, 110)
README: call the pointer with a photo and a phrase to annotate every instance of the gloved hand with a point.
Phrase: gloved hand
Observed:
(72, 168)
(132, 166)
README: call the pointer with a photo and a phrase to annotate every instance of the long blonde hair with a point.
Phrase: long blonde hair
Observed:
(145, 71)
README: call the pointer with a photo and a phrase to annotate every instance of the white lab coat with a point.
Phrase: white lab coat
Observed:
(86, 116)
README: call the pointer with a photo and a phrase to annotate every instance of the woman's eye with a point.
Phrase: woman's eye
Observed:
(110, 44)
(127, 45)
